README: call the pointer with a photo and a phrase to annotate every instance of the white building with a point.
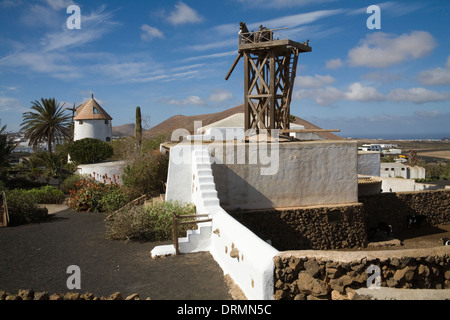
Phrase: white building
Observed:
(92, 121)
(393, 170)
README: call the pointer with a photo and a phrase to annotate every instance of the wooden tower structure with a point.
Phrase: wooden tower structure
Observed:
(269, 72)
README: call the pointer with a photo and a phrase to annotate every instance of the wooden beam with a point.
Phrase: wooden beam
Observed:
(239, 56)
(275, 43)
(309, 130)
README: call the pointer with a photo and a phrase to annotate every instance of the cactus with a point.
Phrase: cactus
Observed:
(138, 127)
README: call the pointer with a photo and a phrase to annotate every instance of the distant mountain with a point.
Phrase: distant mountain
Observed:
(187, 122)
(126, 130)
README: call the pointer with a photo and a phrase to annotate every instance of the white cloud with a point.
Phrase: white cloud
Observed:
(191, 100)
(437, 76)
(281, 3)
(57, 65)
(383, 76)
(211, 56)
(433, 77)
(220, 95)
(380, 50)
(149, 33)
(417, 95)
(329, 95)
(357, 92)
(93, 26)
(333, 63)
(323, 96)
(10, 3)
(184, 14)
(59, 4)
(10, 104)
(295, 20)
(314, 82)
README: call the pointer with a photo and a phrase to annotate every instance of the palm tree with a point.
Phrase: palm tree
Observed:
(47, 123)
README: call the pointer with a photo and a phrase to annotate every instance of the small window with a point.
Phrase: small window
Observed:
(80, 122)
(403, 169)
(108, 139)
(106, 122)
(386, 169)
(95, 110)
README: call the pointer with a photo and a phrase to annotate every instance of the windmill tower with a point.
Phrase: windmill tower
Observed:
(92, 121)
(270, 67)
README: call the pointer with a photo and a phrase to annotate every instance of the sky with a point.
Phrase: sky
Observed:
(376, 74)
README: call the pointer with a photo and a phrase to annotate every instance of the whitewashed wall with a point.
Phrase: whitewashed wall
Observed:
(96, 129)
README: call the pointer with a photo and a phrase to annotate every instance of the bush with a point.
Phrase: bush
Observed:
(71, 182)
(115, 199)
(47, 194)
(89, 150)
(146, 174)
(22, 208)
(90, 195)
(149, 223)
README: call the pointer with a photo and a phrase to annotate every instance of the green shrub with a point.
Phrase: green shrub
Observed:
(47, 194)
(90, 195)
(149, 223)
(22, 208)
(115, 199)
(89, 150)
(146, 174)
(71, 182)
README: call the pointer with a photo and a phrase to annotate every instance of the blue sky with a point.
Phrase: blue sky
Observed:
(171, 57)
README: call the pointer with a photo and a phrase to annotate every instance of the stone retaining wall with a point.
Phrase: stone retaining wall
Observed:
(393, 208)
(312, 275)
(325, 227)
(344, 226)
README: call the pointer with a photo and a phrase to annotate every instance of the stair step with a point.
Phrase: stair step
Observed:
(207, 187)
(203, 166)
(211, 202)
(205, 180)
(204, 172)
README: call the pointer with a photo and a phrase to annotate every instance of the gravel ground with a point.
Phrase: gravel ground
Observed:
(37, 256)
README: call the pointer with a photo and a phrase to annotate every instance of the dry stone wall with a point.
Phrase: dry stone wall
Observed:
(393, 208)
(328, 227)
(312, 275)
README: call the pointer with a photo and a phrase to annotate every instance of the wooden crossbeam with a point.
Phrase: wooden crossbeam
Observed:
(309, 130)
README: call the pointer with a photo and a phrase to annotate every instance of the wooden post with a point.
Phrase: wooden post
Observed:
(272, 92)
(175, 233)
(246, 87)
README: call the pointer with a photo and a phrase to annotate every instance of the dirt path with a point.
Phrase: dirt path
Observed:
(37, 256)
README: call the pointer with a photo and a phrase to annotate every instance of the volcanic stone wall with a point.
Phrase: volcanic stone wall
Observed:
(312, 275)
(393, 208)
(326, 227)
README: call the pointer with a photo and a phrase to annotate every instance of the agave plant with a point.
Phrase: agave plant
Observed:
(46, 123)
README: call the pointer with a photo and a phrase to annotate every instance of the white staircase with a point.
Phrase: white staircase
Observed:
(204, 194)
(204, 190)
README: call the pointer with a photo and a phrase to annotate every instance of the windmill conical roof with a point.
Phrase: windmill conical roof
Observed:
(91, 110)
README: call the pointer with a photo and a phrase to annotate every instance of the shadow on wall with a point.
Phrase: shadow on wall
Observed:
(395, 209)
(320, 228)
(235, 192)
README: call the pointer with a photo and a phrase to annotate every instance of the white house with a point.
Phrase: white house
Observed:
(92, 121)
(393, 170)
